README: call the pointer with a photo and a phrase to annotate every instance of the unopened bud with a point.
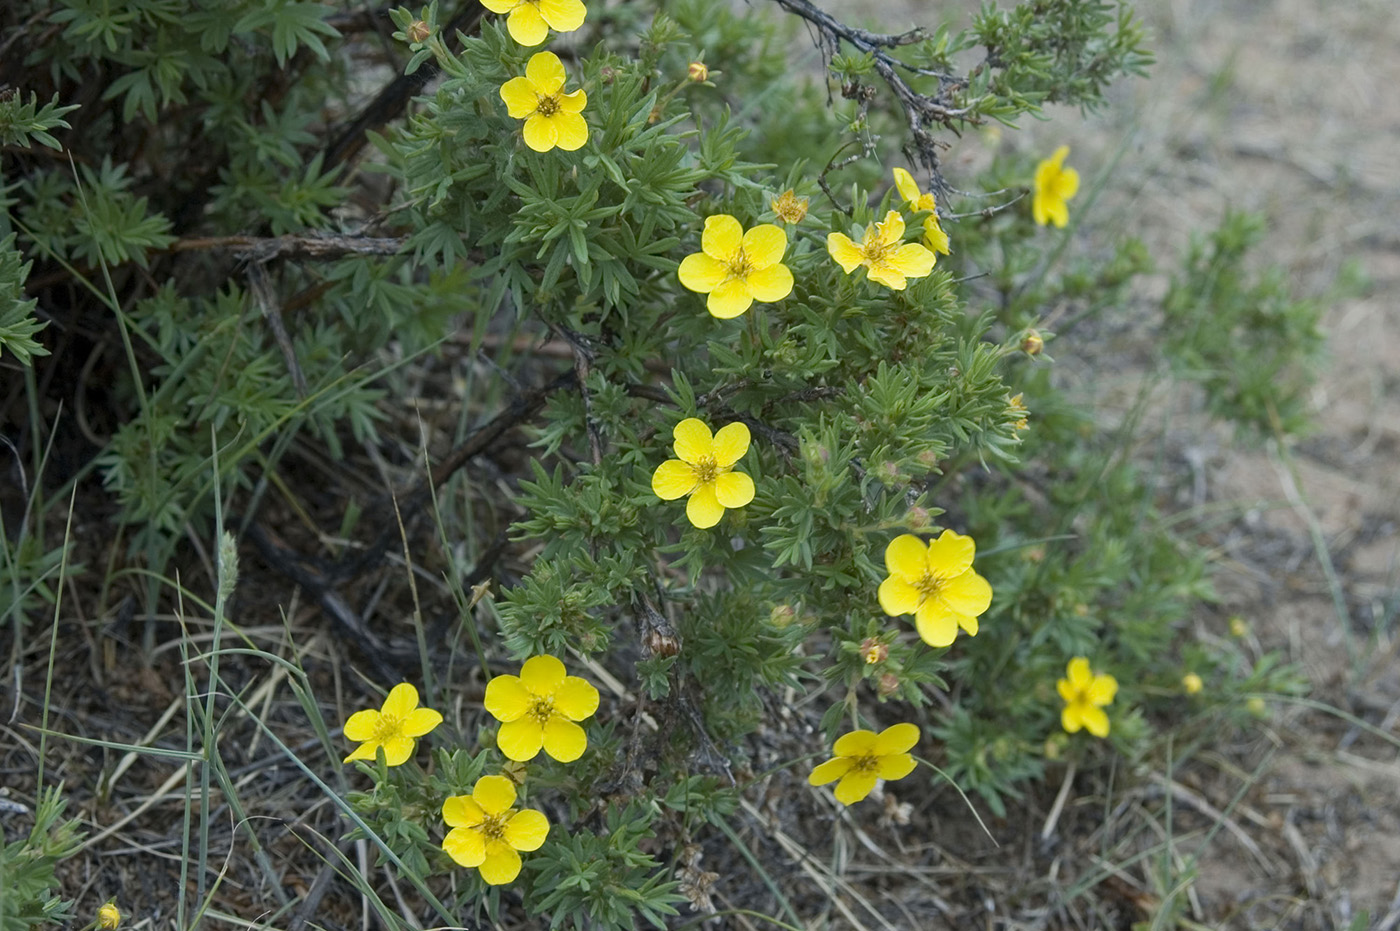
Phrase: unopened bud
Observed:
(1192, 683)
(1032, 344)
(607, 74)
(514, 771)
(697, 72)
(888, 685)
(1256, 707)
(1238, 626)
(782, 615)
(108, 916)
(874, 651)
(419, 31)
(917, 518)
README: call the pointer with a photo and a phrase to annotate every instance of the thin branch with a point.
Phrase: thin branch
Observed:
(263, 248)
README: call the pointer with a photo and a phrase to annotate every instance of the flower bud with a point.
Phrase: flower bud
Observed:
(697, 72)
(789, 207)
(419, 31)
(888, 684)
(782, 615)
(874, 651)
(1192, 683)
(917, 518)
(108, 917)
(1256, 707)
(1238, 626)
(1032, 344)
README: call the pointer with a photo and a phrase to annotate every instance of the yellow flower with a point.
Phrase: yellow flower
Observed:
(1018, 406)
(552, 117)
(394, 726)
(789, 207)
(1085, 696)
(487, 831)
(1054, 186)
(737, 268)
(863, 757)
(934, 237)
(937, 584)
(538, 709)
(108, 917)
(697, 72)
(530, 20)
(886, 259)
(1192, 683)
(703, 469)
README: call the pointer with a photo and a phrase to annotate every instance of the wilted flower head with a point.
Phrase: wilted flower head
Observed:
(789, 207)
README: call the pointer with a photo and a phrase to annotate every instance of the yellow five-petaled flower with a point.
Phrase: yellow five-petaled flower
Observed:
(394, 726)
(1085, 696)
(552, 117)
(487, 831)
(704, 469)
(937, 584)
(538, 709)
(916, 200)
(529, 21)
(1054, 186)
(886, 257)
(736, 268)
(863, 757)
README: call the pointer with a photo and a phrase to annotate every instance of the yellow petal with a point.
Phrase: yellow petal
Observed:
(462, 811)
(884, 273)
(898, 738)
(563, 15)
(968, 622)
(402, 699)
(906, 185)
(397, 750)
(544, 69)
(830, 771)
(693, 440)
(466, 846)
(1079, 673)
(575, 698)
(420, 722)
(361, 725)
(500, 6)
(673, 479)
(899, 597)
(1067, 184)
(520, 97)
(722, 238)
(572, 102)
(564, 740)
(526, 25)
(936, 624)
(891, 229)
(495, 794)
(896, 766)
(542, 675)
(1102, 690)
(703, 508)
(912, 260)
(934, 236)
(1070, 719)
(846, 253)
(501, 865)
(764, 245)
(541, 133)
(1095, 721)
(770, 284)
(365, 751)
(951, 554)
(856, 743)
(1040, 209)
(731, 442)
(702, 273)
(507, 699)
(733, 489)
(526, 830)
(1066, 689)
(854, 786)
(907, 558)
(968, 594)
(729, 299)
(570, 128)
(520, 740)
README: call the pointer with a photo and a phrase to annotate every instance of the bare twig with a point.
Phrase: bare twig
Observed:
(264, 248)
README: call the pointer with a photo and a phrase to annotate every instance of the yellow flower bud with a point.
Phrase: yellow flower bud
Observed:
(1032, 344)
(1256, 707)
(108, 917)
(1192, 683)
(789, 207)
(697, 72)
(1238, 626)
(874, 651)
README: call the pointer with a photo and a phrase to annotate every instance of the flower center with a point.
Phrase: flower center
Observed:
(874, 250)
(929, 585)
(706, 470)
(739, 266)
(494, 827)
(542, 710)
(547, 106)
(865, 764)
(387, 727)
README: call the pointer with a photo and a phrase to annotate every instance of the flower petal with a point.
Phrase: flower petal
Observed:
(733, 489)
(830, 771)
(722, 238)
(365, 751)
(419, 722)
(1067, 184)
(402, 699)
(542, 674)
(527, 829)
(884, 273)
(495, 794)
(541, 132)
(462, 811)
(764, 245)
(912, 260)
(907, 558)
(898, 738)
(520, 97)
(703, 508)
(693, 440)
(770, 284)
(731, 442)
(934, 236)
(563, 15)
(906, 185)
(729, 299)
(673, 479)
(855, 786)
(1102, 690)
(1071, 719)
(891, 229)
(500, 6)
(1095, 721)
(526, 25)
(361, 725)
(951, 554)
(507, 698)
(899, 597)
(856, 743)
(1080, 676)
(968, 593)
(501, 865)
(564, 740)
(397, 750)
(544, 69)
(1066, 689)
(702, 273)
(572, 128)
(575, 698)
(520, 740)
(846, 253)
(968, 623)
(937, 625)
(466, 846)
(572, 102)
(896, 766)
